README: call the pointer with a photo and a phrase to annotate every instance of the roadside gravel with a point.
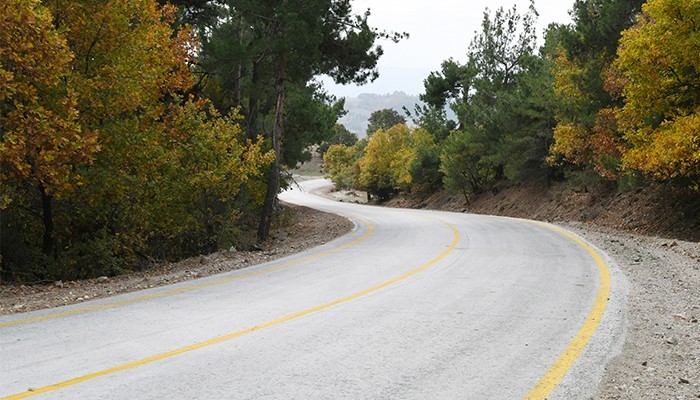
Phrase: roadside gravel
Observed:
(660, 357)
(304, 228)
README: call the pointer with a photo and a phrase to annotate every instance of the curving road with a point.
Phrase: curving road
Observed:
(410, 305)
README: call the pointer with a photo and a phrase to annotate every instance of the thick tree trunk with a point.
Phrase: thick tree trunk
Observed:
(273, 183)
(47, 215)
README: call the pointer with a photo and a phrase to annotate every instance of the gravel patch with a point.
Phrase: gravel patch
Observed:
(660, 357)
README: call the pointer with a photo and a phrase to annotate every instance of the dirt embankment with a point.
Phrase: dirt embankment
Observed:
(650, 211)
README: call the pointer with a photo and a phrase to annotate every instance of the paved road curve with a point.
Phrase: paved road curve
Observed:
(410, 305)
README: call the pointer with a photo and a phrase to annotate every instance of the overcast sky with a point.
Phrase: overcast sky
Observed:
(438, 29)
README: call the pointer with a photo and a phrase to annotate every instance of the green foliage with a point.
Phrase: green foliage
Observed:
(434, 120)
(310, 120)
(426, 177)
(341, 135)
(504, 102)
(383, 119)
(465, 169)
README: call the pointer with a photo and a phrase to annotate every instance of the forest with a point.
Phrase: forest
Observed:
(614, 96)
(134, 132)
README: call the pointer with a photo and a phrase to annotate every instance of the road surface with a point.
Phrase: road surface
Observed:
(410, 305)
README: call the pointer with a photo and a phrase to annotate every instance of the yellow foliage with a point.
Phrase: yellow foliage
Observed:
(672, 150)
(339, 161)
(567, 79)
(42, 142)
(571, 142)
(386, 166)
(659, 59)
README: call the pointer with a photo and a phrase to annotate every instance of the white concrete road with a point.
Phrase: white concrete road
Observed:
(410, 305)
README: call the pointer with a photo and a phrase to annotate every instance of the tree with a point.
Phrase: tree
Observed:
(383, 119)
(385, 168)
(310, 120)
(284, 44)
(465, 169)
(585, 51)
(340, 162)
(42, 143)
(500, 98)
(341, 135)
(657, 74)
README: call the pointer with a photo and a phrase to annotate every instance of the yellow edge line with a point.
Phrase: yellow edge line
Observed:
(193, 287)
(230, 336)
(561, 366)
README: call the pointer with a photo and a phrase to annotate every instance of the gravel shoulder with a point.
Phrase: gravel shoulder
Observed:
(303, 228)
(660, 357)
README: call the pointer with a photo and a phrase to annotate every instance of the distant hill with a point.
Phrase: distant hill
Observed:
(361, 107)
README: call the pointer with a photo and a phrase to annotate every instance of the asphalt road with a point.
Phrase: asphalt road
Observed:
(410, 305)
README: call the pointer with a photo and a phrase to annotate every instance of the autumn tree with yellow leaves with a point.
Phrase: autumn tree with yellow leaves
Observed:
(658, 78)
(42, 143)
(107, 161)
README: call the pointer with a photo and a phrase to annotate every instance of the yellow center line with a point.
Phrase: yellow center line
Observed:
(193, 287)
(230, 336)
(561, 366)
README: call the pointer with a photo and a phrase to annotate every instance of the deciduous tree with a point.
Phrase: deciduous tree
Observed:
(658, 72)
(42, 144)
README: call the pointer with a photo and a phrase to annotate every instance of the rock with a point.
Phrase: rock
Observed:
(672, 341)
(684, 381)
(680, 317)
(59, 284)
(103, 279)
(232, 249)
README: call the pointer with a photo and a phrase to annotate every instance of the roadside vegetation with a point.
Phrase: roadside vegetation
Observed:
(141, 131)
(613, 99)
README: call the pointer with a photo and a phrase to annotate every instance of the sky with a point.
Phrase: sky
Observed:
(438, 29)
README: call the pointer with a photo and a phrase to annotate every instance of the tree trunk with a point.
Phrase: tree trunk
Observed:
(273, 183)
(252, 127)
(47, 215)
(238, 87)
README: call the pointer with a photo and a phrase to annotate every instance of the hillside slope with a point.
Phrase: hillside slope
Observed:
(651, 210)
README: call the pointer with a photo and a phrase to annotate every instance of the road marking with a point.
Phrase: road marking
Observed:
(193, 287)
(233, 335)
(562, 365)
